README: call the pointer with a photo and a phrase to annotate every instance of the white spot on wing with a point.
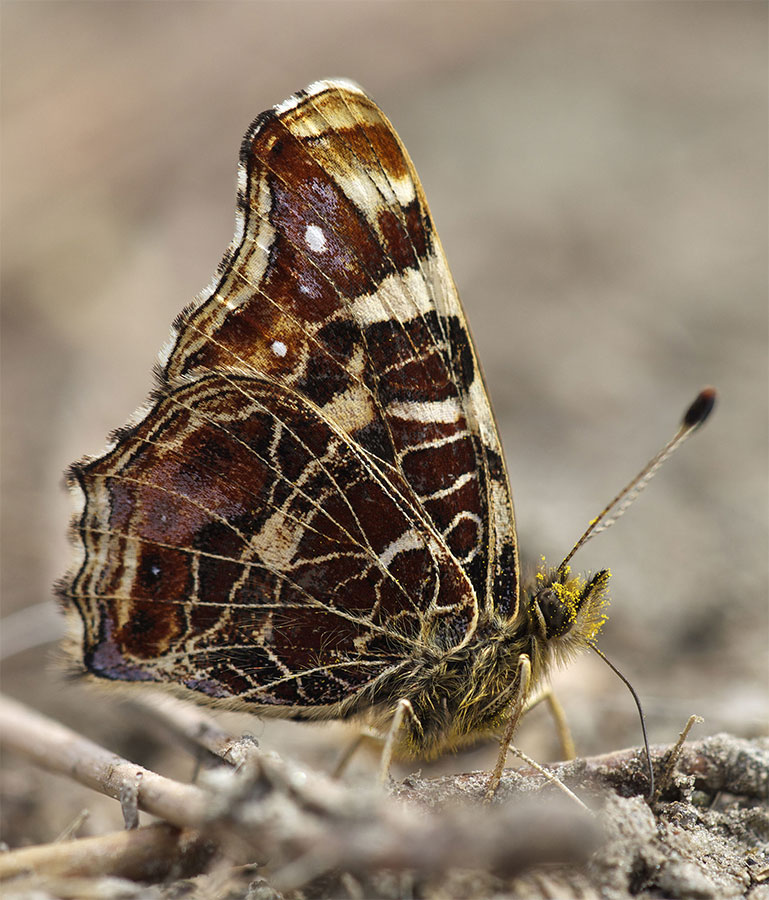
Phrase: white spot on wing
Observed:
(279, 348)
(315, 239)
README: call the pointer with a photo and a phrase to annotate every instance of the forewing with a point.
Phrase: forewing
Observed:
(336, 286)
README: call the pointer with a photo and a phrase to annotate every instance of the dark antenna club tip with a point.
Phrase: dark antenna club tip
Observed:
(700, 409)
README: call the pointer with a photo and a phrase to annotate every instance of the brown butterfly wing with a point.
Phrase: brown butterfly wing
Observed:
(238, 545)
(336, 284)
(318, 496)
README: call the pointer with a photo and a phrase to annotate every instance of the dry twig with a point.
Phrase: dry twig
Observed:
(142, 854)
(305, 824)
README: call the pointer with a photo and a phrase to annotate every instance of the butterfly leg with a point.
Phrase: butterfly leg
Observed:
(523, 680)
(403, 708)
(568, 750)
(365, 734)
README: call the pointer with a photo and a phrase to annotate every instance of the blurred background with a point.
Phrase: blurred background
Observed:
(598, 175)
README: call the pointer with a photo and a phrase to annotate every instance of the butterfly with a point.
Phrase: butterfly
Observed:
(311, 518)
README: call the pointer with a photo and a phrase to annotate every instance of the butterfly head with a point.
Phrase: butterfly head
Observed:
(565, 611)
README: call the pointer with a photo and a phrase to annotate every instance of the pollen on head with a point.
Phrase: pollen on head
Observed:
(315, 239)
(279, 348)
(569, 593)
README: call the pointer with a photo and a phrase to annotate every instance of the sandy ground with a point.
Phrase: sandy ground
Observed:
(598, 174)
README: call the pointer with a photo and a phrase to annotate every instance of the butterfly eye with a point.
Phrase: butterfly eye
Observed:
(555, 615)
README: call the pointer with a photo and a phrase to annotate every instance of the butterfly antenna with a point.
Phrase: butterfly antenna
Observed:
(694, 416)
(630, 687)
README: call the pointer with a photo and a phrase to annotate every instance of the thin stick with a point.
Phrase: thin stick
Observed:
(58, 749)
(143, 853)
(73, 827)
(675, 755)
(553, 779)
(194, 726)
